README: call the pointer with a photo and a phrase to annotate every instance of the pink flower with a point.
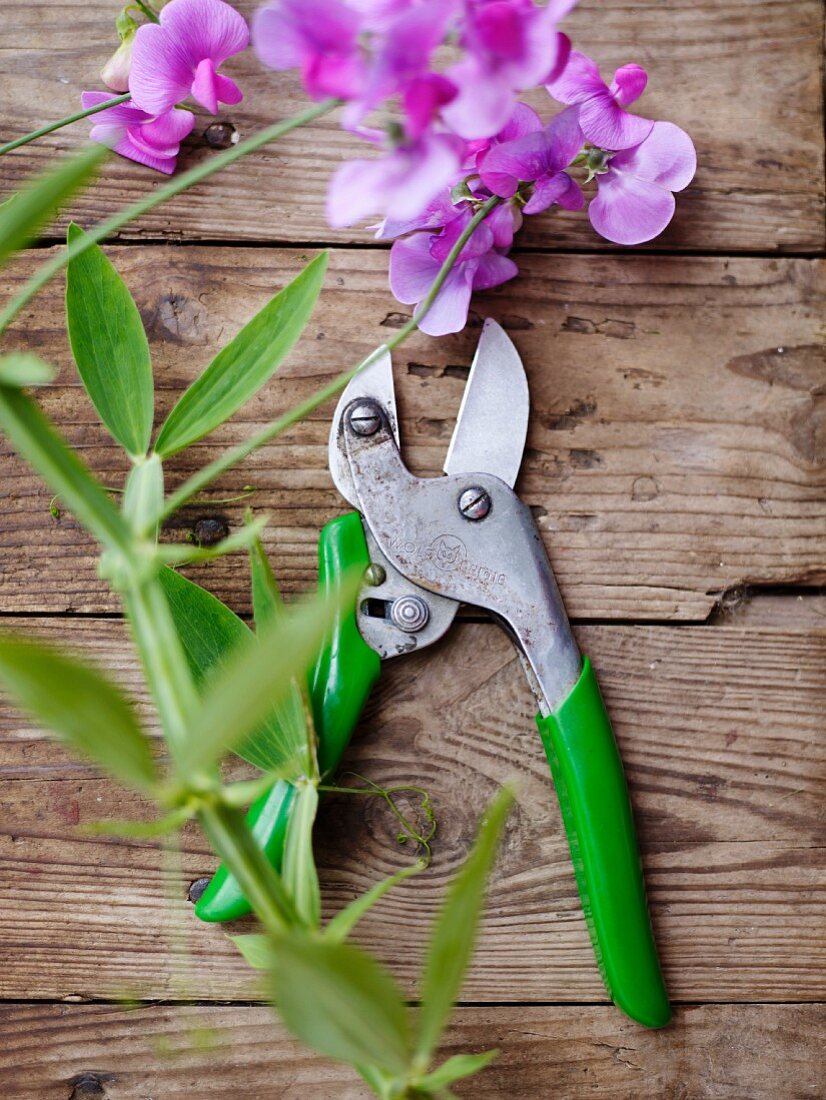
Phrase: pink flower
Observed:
(511, 45)
(399, 185)
(537, 157)
(115, 73)
(634, 201)
(180, 56)
(147, 139)
(319, 37)
(415, 262)
(602, 115)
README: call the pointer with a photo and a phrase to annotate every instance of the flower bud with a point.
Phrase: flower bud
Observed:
(115, 73)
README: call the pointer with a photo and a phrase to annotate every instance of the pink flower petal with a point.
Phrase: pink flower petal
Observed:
(161, 73)
(505, 166)
(333, 75)
(523, 120)
(565, 137)
(170, 128)
(484, 102)
(629, 84)
(152, 160)
(493, 270)
(206, 28)
(560, 189)
(449, 311)
(667, 157)
(608, 126)
(205, 86)
(286, 32)
(412, 268)
(629, 211)
(579, 80)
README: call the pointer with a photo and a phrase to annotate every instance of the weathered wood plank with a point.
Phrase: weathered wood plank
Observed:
(722, 734)
(760, 141)
(677, 444)
(719, 1052)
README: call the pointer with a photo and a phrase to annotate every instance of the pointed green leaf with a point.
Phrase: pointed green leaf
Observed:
(256, 949)
(33, 436)
(454, 1069)
(36, 204)
(245, 364)
(256, 676)
(110, 347)
(454, 933)
(209, 632)
(339, 1001)
(342, 924)
(299, 871)
(267, 604)
(143, 498)
(21, 369)
(80, 705)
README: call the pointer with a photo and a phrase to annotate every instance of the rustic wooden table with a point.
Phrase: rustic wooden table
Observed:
(677, 466)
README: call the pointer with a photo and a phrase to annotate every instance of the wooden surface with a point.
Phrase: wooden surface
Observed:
(676, 465)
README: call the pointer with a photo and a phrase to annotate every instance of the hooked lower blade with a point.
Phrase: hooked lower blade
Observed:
(373, 381)
(492, 424)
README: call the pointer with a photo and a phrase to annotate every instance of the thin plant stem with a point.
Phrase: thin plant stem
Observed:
(231, 458)
(67, 121)
(149, 12)
(155, 198)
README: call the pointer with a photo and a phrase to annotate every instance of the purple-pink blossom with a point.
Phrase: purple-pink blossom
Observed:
(415, 262)
(180, 56)
(142, 137)
(635, 201)
(602, 115)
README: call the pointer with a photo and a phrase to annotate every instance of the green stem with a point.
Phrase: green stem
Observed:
(231, 838)
(231, 458)
(67, 121)
(150, 13)
(149, 202)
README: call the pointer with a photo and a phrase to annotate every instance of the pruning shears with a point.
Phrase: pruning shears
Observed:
(427, 546)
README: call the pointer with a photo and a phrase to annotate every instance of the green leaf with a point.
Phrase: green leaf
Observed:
(342, 924)
(256, 949)
(33, 436)
(110, 347)
(140, 830)
(267, 604)
(454, 933)
(209, 632)
(36, 204)
(21, 369)
(245, 364)
(299, 871)
(80, 705)
(257, 675)
(339, 1001)
(454, 1069)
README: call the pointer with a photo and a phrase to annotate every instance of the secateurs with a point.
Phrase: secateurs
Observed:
(427, 546)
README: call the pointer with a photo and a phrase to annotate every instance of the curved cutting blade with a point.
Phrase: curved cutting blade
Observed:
(492, 425)
(375, 381)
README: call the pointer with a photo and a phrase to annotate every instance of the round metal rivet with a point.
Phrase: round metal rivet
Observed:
(409, 613)
(474, 503)
(374, 574)
(364, 419)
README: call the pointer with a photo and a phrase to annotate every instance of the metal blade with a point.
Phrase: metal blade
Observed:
(375, 381)
(492, 424)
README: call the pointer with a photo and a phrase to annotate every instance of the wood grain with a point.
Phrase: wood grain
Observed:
(677, 446)
(723, 739)
(710, 1052)
(742, 76)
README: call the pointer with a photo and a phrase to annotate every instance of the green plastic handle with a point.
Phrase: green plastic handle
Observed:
(596, 809)
(339, 686)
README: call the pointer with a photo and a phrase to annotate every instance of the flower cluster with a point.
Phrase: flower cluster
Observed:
(459, 136)
(163, 64)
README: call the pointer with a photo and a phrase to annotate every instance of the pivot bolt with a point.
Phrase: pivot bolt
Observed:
(410, 613)
(364, 419)
(474, 503)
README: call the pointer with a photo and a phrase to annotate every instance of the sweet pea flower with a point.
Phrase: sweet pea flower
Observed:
(602, 115)
(511, 45)
(147, 139)
(318, 37)
(180, 56)
(634, 201)
(415, 262)
(537, 157)
(115, 73)
(399, 184)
